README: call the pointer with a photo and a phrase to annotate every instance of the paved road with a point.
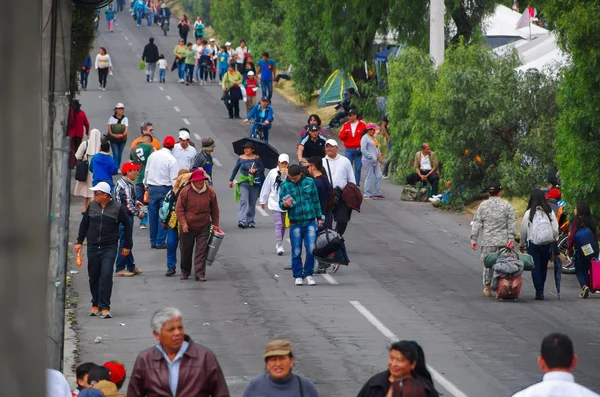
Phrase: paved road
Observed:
(412, 276)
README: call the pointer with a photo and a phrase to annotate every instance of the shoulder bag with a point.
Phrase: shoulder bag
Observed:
(82, 168)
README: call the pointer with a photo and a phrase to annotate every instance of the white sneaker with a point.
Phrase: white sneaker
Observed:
(311, 280)
(279, 249)
(299, 282)
(143, 227)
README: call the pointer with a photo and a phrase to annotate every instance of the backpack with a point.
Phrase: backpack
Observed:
(541, 229)
(584, 240)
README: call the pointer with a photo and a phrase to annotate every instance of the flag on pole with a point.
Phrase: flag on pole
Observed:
(527, 17)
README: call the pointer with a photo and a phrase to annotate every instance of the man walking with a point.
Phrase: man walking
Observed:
(204, 158)
(147, 128)
(351, 134)
(139, 155)
(279, 380)
(176, 366)
(557, 362)
(267, 69)
(197, 209)
(161, 172)
(125, 195)
(340, 173)
(496, 221)
(299, 196)
(100, 225)
(183, 152)
(150, 56)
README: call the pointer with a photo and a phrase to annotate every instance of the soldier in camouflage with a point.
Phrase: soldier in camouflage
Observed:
(496, 221)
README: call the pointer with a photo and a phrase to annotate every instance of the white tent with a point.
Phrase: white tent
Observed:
(503, 23)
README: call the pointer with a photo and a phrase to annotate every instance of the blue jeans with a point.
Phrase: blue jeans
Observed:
(298, 234)
(267, 88)
(203, 71)
(124, 261)
(101, 261)
(162, 74)
(541, 256)
(138, 16)
(117, 152)
(265, 129)
(156, 195)
(150, 18)
(582, 267)
(84, 78)
(172, 243)
(355, 157)
(181, 69)
(139, 196)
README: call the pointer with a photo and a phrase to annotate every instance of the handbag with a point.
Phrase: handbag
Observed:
(142, 64)
(82, 168)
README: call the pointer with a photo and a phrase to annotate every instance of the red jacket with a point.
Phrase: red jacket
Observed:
(352, 142)
(77, 123)
(250, 84)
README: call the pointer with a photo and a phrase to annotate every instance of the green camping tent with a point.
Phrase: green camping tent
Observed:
(333, 90)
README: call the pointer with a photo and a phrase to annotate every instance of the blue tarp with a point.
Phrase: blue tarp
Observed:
(382, 56)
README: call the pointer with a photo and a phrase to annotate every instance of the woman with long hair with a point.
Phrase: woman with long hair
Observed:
(103, 66)
(248, 184)
(313, 119)
(86, 151)
(406, 372)
(537, 238)
(78, 125)
(583, 245)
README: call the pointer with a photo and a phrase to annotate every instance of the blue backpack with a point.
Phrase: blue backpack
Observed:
(585, 240)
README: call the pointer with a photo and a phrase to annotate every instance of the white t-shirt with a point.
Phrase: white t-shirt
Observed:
(353, 127)
(162, 64)
(240, 52)
(556, 384)
(184, 157)
(425, 163)
(161, 168)
(112, 120)
(341, 170)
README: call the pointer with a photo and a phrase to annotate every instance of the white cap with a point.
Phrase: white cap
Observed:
(331, 142)
(119, 105)
(284, 158)
(212, 39)
(101, 187)
(228, 43)
(251, 73)
(183, 134)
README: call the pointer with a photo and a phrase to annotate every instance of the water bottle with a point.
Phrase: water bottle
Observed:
(78, 259)
(146, 197)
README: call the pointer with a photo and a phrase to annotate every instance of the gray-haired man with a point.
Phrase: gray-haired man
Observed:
(191, 370)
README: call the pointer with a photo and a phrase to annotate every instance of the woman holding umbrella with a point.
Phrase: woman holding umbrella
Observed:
(247, 187)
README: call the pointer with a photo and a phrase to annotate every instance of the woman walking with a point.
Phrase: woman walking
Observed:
(109, 13)
(78, 122)
(180, 53)
(86, 151)
(247, 188)
(313, 119)
(184, 28)
(118, 127)
(232, 91)
(406, 370)
(269, 195)
(369, 148)
(103, 66)
(583, 244)
(539, 230)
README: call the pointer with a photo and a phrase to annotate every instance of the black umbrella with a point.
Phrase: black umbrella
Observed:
(557, 272)
(268, 154)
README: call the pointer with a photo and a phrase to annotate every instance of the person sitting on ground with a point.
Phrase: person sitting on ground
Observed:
(343, 108)
(279, 380)
(557, 361)
(287, 75)
(426, 168)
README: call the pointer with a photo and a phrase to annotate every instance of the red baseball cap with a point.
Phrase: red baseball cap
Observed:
(198, 175)
(129, 166)
(116, 370)
(169, 142)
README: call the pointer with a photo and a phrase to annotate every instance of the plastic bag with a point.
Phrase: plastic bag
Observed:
(287, 220)
(142, 64)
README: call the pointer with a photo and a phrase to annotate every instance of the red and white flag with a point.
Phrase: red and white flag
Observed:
(527, 17)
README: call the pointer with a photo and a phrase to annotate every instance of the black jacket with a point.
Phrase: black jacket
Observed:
(150, 54)
(101, 226)
(378, 386)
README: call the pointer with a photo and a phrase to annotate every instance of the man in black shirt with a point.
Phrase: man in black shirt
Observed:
(313, 144)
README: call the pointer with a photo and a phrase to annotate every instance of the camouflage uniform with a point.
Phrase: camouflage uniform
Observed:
(495, 219)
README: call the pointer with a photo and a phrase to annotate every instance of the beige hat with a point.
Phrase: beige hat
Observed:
(277, 348)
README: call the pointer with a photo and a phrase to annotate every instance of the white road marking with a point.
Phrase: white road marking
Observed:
(168, 97)
(329, 279)
(408, 241)
(176, 109)
(160, 88)
(129, 42)
(445, 383)
(217, 162)
(126, 38)
(186, 121)
(198, 137)
(262, 212)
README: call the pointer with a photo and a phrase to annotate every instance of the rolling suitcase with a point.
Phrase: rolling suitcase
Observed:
(509, 288)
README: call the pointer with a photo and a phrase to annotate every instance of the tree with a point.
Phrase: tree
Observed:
(83, 34)
(577, 24)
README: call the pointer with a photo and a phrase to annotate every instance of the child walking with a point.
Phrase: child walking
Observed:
(162, 68)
